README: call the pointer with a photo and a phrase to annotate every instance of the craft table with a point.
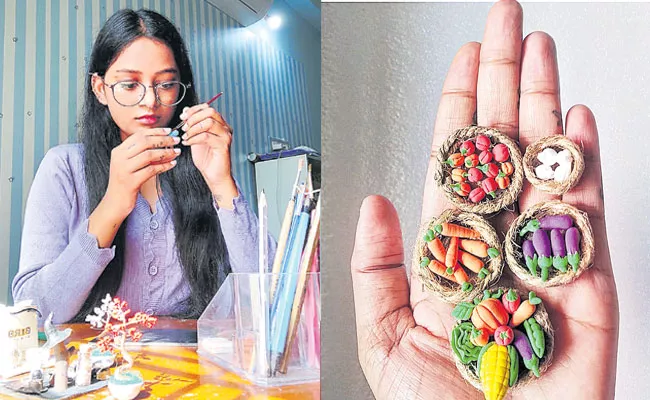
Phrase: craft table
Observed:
(172, 372)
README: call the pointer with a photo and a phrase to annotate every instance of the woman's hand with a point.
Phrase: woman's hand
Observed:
(403, 332)
(210, 137)
(140, 157)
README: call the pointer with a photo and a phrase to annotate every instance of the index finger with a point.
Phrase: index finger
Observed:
(456, 110)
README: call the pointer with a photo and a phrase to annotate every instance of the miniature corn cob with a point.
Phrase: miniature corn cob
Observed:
(494, 371)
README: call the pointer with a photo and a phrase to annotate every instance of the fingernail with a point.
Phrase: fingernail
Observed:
(167, 130)
(184, 143)
(184, 136)
(174, 133)
(183, 116)
(185, 109)
(177, 151)
(173, 162)
(185, 128)
(177, 140)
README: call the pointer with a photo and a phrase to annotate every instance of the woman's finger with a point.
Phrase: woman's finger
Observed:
(498, 74)
(381, 289)
(155, 156)
(540, 113)
(213, 140)
(152, 170)
(456, 110)
(149, 139)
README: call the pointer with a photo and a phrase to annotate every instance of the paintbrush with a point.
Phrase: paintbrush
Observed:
(175, 129)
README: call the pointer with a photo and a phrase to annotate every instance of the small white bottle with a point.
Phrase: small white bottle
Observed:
(84, 366)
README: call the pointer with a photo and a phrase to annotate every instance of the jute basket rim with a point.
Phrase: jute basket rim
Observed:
(514, 255)
(506, 197)
(551, 186)
(444, 289)
(541, 316)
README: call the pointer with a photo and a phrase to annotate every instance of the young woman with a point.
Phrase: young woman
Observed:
(133, 211)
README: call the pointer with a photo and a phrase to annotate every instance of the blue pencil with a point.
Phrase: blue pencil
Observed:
(283, 302)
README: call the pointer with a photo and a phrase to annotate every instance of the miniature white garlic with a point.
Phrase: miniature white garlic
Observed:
(544, 171)
(562, 172)
(547, 156)
(564, 157)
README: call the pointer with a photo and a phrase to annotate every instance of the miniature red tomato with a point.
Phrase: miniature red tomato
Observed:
(467, 148)
(461, 189)
(501, 152)
(490, 170)
(458, 175)
(511, 301)
(507, 168)
(477, 195)
(483, 142)
(485, 156)
(456, 160)
(489, 185)
(474, 174)
(471, 161)
(503, 335)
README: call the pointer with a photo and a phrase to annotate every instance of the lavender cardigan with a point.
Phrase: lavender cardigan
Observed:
(60, 261)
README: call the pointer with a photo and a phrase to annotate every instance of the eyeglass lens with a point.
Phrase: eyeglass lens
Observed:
(131, 93)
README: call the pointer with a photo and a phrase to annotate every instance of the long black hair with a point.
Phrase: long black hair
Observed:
(201, 246)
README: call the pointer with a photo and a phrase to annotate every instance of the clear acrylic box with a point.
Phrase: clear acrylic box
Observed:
(230, 330)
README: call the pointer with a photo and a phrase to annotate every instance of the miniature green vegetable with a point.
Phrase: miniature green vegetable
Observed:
(530, 256)
(572, 237)
(462, 345)
(514, 365)
(536, 336)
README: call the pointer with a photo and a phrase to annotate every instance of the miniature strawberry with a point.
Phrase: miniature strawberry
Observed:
(511, 301)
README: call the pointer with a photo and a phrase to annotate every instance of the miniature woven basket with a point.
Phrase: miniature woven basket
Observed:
(468, 371)
(445, 289)
(505, 197)
(557, 143)
(513, 242)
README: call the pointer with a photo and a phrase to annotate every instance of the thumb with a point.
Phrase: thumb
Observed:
(381, 289)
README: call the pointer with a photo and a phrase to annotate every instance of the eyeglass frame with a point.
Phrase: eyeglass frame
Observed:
(154, 87)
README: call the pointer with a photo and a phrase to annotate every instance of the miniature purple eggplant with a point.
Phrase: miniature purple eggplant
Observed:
(572, 236)
(522, 344)
(548, 222)
(560, 261)
(556, 222)
(530, 256)
(543, 249)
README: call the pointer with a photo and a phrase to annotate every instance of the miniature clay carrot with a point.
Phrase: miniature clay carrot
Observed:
(451, 257)
(560, 261)
(476, 247)
(460, 275)
(471, 262)
(530, 256)
(572, 237)
(449, 229)
(439, 268)
(525, 310)
(437, 249)
(543, 248)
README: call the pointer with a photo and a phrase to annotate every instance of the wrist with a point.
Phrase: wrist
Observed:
(224, 192)
(113, 208)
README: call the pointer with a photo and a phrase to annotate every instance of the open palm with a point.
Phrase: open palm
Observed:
(511, 85)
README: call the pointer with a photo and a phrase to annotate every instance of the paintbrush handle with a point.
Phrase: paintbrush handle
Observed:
(282, 244)
(208, 103)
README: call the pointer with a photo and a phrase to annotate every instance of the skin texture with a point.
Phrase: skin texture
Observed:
(206, 132)
(403, 332)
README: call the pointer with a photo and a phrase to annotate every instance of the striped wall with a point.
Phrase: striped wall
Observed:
(43, 52)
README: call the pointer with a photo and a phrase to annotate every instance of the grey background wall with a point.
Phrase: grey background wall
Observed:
(271, 86)
(383, 68)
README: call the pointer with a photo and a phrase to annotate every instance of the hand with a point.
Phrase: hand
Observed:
(403, 332)
(140, 157)
(209, 137)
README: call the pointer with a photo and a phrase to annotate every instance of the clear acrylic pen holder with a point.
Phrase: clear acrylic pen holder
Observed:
(234, 333)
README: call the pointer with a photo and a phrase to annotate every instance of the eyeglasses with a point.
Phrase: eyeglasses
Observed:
(131, 93)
